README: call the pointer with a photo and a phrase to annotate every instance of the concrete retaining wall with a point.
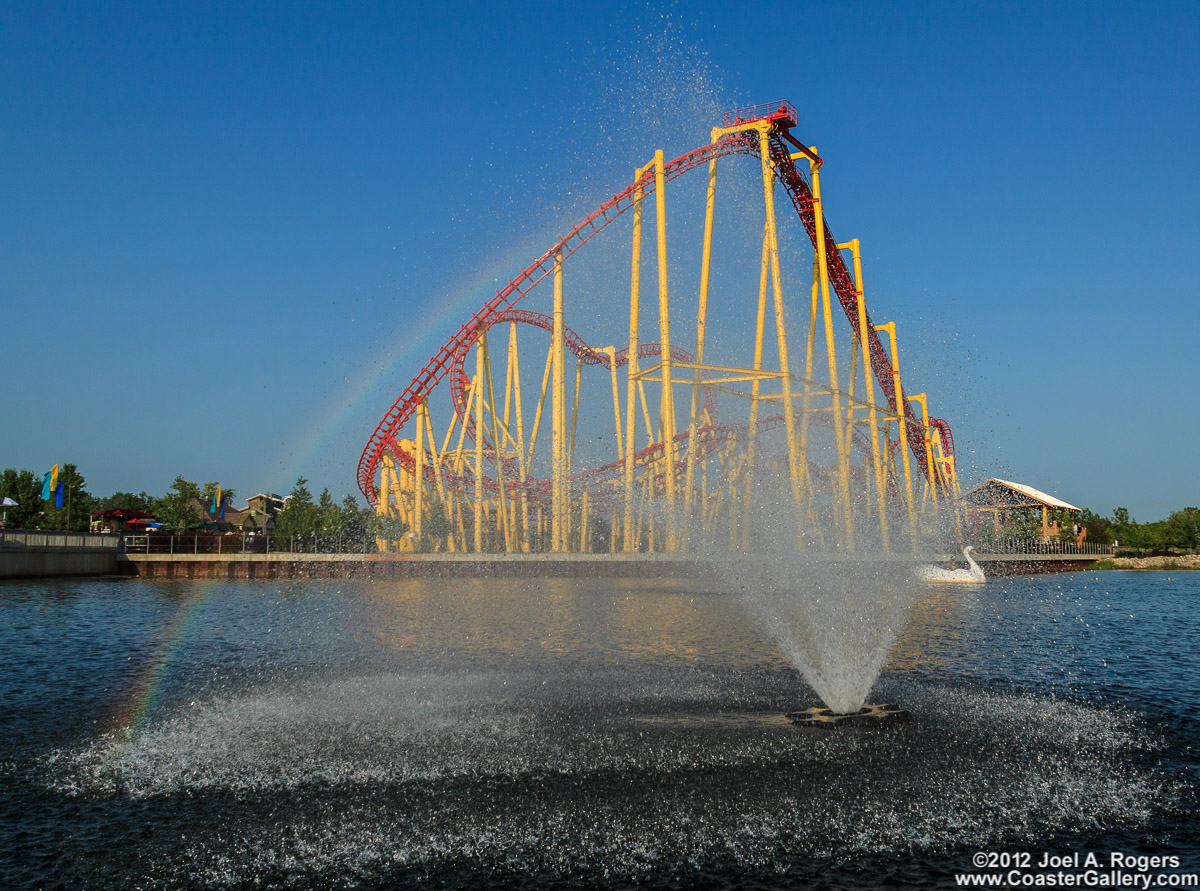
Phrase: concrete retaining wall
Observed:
(36, 561)
(284, 565)
(1017, 564)
(42, 562)
(659, 566)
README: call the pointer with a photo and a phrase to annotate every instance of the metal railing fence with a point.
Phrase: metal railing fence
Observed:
(1019, 546)
(249, 543)
(22, 538)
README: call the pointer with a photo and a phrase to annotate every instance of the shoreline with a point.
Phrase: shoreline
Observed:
(1183, 563)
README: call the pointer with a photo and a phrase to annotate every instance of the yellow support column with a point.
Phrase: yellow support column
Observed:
(869, 385)
(929, 468)
(701, 322)
(514, 364)
(502, 512)
(843, 499)
(403, 492)
(888, 460)
(667, 401)
(570, 462)
(768, 177)
(945, 468)
(809, 359)
(890, 328)
(419, 478)
(383, 506)
(611, 352)
(574, 414)
(559, 506)
(460, 465)
(436, 461)
(629, 542)
(584, 544)
(478, 446)
(755, 387)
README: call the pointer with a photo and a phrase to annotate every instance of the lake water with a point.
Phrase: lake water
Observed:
(497, 733)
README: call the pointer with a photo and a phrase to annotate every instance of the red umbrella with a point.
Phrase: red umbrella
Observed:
(123, 513)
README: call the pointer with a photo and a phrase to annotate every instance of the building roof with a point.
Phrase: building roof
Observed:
(1018, 495)
(265, 495)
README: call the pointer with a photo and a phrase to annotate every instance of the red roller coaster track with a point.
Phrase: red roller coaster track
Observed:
(501, 307)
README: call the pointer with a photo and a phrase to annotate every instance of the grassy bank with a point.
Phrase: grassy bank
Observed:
(1180, 563)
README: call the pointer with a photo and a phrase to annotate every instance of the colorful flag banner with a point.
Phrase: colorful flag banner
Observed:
(58, 496)
(49, 481)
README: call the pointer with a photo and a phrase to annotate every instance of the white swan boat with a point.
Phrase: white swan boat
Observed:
(940, 575)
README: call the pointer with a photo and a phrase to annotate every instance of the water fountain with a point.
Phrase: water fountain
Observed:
(836, 617)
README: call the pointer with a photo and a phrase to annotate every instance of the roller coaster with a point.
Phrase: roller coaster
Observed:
(832, 466)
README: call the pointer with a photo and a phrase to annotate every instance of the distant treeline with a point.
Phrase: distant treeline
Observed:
(324, 525)
(1179, 531)
(321, 524)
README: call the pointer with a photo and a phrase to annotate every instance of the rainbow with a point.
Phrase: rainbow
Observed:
(131, 717)
(431, 324)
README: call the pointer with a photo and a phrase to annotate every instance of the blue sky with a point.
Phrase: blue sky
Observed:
(232, 233)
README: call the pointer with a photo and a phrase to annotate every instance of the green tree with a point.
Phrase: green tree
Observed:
(1183, 529)
(390, 528)
(1122, 522)
(435, 525)
(1156, 535)
(298, 523)
(356, 526)
(1132, 534)
(25, 488)
(1099, 529)
(329, 522)
(127, 501)
(179, 508)
(1146, 536)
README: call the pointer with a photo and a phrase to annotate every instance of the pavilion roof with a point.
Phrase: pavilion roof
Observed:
(1005, 493)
